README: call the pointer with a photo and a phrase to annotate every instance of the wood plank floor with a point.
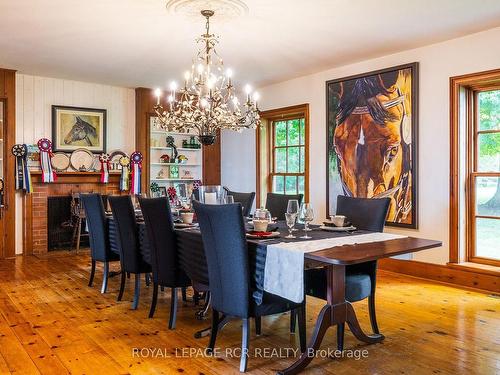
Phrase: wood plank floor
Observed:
(52, 323)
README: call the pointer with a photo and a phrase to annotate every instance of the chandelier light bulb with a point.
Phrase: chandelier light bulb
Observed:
(248, 89)
(229, 73)
(256, 96)
(200, 68)
(170, 98)
(173, 86)
(187, 75)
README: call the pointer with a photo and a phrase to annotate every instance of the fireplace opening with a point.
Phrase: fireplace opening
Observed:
(61, 224)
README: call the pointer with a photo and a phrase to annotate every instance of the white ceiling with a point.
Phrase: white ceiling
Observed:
(138, 43)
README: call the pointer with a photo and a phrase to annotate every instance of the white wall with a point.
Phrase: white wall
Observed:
(35, 96)
(438, 62)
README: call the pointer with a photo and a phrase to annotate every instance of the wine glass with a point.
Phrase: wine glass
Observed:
(229, 199)
(293, 208)
(307, 215)
(290, 222)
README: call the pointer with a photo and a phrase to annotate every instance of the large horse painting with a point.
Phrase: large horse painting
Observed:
(74, 128)
(371, 140)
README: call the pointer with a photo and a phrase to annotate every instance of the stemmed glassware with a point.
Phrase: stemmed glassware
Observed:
(293, 208)
(290, 222)
(307, 215)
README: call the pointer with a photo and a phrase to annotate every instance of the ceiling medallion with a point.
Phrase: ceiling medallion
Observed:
(225, 9)
(207, 101)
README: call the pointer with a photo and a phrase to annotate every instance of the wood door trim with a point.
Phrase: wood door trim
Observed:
(8, 92)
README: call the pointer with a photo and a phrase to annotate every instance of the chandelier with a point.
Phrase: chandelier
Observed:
(207, 101)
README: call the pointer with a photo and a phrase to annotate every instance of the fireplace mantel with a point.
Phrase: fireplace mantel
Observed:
(75, 177)
(35, 204)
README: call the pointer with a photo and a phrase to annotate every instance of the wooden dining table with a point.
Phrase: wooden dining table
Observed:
(337, 309)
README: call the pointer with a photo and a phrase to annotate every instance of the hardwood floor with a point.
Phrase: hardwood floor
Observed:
(51, 322)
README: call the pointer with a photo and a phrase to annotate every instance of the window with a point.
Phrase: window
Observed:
(282, 152)
(288, 156)
(475, 169)
(484, 176)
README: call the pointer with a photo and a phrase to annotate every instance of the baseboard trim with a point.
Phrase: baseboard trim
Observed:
(466, 277)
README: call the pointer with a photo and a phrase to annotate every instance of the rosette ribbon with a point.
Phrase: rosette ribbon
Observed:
(124, 177)
(45, 147)
(136, 161)
(22, 173)
(104, 159)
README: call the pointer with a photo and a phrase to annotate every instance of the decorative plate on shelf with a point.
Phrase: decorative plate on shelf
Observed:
(82, 160)
(60, 161)
(114, 159)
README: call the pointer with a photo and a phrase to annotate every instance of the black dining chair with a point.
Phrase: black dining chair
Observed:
(98, 236)
(277, 204)
(364, 214)
(223, 232)
(128, 243)
(163, 246)
(246, 200)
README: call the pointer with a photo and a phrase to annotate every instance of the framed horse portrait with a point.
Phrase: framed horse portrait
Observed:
(371, 140)
(74, 127)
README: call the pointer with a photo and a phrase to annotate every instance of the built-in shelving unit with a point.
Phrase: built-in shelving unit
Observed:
(163, 173)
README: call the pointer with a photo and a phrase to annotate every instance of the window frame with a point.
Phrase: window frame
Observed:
(273, 148)
(464, 124)
(473, 173)
(265, 141)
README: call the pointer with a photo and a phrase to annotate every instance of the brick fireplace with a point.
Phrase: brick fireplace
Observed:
(35, 205)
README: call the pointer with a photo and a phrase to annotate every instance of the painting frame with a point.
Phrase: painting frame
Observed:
(59, 128)
(331, 125)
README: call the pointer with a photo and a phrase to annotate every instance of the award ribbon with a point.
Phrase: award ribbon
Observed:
(124, 177)
(22, 173)
(104, 159)
(136, 161)
(45, 147)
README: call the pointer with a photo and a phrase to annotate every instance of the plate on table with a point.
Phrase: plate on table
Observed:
(260, 235)
(338, 229)
(185, 225)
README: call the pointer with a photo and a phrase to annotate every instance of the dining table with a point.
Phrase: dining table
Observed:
(337, 309)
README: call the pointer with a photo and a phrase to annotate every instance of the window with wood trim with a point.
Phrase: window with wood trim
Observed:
(282, 152)
(475, 169)
(484, 177)
(288, 167)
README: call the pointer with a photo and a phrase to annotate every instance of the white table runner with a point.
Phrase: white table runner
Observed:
(284, 268)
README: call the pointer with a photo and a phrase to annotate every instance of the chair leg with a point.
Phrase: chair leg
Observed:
(372, 312)
(244, 344)
(184, 294)
(173, 309)
(122, 286)
(92, 273)
(137, 291)
(154, 300)
(105, 278)
(213, 331)
(147, 278)
(293, 320)
(301, 316)
(78, 234)
(258, 325)
(340, 336)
